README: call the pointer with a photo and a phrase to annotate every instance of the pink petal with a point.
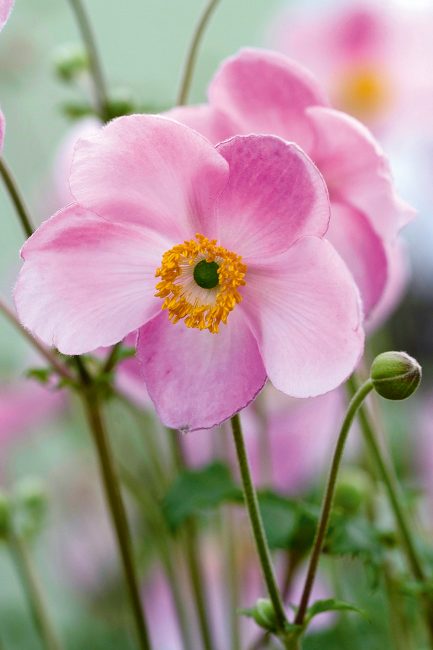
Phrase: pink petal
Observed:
(397, 282)
(5, 9)
(304, 310)
(87, 282)
(197, 379)
(129, 378)
(264, 92)
(214, 124)
(356, 170)
(63, 160)
(274, 196)
(352, 235)
(149, 170)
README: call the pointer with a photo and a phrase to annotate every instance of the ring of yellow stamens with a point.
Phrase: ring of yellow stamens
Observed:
(184, 298)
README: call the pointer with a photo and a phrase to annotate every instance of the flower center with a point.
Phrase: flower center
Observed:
(364, 91)
(206, 274)
(199, 282)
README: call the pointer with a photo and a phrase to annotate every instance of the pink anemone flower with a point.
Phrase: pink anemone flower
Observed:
(356, 50)
(5, 10)
(216, 255)
(257, 91)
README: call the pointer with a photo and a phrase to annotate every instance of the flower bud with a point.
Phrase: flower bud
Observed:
(264, 614)
(353, 489)
(395, 375)
(70, 61)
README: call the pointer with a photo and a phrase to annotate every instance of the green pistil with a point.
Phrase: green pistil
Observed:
(206, 274)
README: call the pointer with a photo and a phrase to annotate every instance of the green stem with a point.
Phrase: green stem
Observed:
(191, 58)
(153, 515)
(111, 359)
(33, 592)
(395, 499)
(392, 489)
(110, 482)
(16, 198)
(256, 522)
(101, 96)
(195, 570)
(322, 528)
(192, 554)
(231, 572)
(45, 352)
(117, 512)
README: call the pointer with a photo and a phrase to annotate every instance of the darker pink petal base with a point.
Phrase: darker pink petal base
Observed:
(197, 379)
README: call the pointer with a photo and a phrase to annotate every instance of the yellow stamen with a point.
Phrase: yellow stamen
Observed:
(364, 91)
(184, 298)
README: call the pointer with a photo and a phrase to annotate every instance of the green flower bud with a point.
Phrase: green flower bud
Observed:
(395, 375)
(5, 514)
(353, 489)
(264, 614)
(70, 61)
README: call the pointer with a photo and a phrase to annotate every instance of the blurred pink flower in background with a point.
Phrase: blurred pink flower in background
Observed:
(289, 441)
(158, 601)
(374, 58)
(24, 407)
(5, 9)
(257, 91)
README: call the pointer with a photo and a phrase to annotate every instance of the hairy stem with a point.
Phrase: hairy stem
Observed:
(322, 528)
(191, 58)
(393, 492)
(45, 352)
(256, 522)
(192, 554)
(16, 199)
(117, 511)
(101, 96)
(33, 591)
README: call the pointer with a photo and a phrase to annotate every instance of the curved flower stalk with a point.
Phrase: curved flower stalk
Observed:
(168, 228)
(258, 91)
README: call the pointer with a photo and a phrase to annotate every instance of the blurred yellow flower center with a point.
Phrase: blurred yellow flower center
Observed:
(199, 283)
(363, 91)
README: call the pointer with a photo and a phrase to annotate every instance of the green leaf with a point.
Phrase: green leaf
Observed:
(354, 536)
(280, 519)
(331, 605)
(417, 588)
(196, 490)
(42, 375)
